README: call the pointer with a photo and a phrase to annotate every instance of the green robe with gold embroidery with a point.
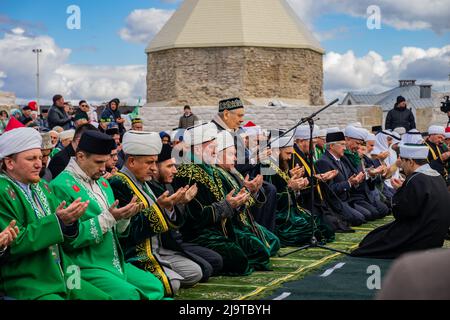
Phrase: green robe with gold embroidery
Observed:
(37, 267)
(259, 243)
(99, 254)
(150, 222)
(208, 217)
(293, 224)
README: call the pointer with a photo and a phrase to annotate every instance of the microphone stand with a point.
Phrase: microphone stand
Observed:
(314, 243)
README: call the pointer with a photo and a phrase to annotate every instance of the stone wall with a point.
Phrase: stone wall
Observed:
(203, 76)
(166, 118)
(430, 116)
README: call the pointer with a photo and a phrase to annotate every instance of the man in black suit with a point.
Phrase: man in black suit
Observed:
(360, 198)
(60, 161)
(339, 189)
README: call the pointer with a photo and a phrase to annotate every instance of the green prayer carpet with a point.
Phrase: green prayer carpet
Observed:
(298, 274)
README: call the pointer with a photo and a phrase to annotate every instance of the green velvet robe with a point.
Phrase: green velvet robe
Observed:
(152, 221)
(255, 238)
(293, 224)
(37, 267)
(99, 255)
(205, 224)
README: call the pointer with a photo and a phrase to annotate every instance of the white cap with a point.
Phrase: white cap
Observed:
(333, 130)
(140, 143)
(356, 124)
(436, 130)
(400, 130)
(316, 131)
(200, 134)
(224, 140)
(370, 137)
(321, 133)
(413, 136)
(302, 133)
(19, 140)
(356, 133)
(283, 142)
(414, 151)
(68, 134)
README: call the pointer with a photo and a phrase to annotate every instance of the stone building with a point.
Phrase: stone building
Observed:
(423, 101)
(257, 50)
(7, 101)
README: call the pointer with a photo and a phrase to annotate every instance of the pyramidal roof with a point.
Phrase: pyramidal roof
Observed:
(226, 23)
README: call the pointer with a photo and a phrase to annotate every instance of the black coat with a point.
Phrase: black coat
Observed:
(435, 160)
(60, 161)
(58, 117)
(422, 219)
(400, 117)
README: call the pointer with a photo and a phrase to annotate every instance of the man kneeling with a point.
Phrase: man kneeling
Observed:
(420, 208)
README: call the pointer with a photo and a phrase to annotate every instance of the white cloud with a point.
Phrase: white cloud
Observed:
(143, 24)
(400, 14)
(94, 83)
(371, 73)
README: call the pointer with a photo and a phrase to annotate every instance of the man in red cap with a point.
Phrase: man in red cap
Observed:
(33, 105)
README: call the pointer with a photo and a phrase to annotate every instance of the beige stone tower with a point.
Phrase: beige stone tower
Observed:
(215, 49)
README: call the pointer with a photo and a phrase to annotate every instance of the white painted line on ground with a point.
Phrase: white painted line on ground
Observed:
(282, 296)
(331, 270)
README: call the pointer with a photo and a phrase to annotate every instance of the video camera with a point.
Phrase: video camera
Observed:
(446, 105)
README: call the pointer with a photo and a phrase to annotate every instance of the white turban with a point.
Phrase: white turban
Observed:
(321, 133)
(316, 130)
(436, 130)
(283, 142)
(356, 124)
(356, 133)
(333, 130)
(200, 134)
(412, 137)
(19, 140)
(400, 130)
(140, 143)
(68, 134)
(224, 140)
(370, 137)
(418, 151)
(302, 133)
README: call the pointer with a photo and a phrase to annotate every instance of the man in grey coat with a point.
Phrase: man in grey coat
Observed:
(57, 116)
(188, 119)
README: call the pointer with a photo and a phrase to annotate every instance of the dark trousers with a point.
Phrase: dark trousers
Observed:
(209, 261)
(352, 215)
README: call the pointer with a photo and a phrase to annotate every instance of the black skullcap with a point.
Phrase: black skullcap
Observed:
(166, 153)
(112, 131)
(335, 136)
(376, 129)
(230, 104)
(96, 142)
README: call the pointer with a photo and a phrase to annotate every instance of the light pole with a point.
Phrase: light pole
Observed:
(38, 51)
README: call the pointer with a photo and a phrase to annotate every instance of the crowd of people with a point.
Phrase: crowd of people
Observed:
(93, 211)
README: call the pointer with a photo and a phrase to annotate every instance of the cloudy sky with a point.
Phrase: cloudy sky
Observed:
(105, 57)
